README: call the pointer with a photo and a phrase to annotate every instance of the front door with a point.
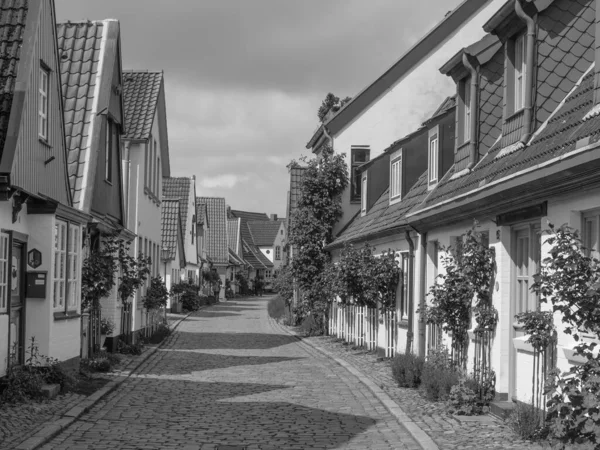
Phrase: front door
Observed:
(526, 243)
(17, 302)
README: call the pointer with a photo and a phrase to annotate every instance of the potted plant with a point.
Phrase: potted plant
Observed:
(106, 327)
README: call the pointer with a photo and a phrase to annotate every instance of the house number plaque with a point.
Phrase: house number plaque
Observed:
(34, 258)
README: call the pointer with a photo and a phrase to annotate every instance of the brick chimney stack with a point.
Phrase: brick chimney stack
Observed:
(273, 217)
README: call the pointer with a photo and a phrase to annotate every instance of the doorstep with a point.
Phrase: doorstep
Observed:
(501, 410)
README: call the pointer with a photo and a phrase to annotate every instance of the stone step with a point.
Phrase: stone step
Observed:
(501, 410)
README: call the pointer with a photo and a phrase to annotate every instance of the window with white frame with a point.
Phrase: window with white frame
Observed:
(526, 259)
(267, 274)
(520, 68)
(277, 252)
(358, 155)
(363, 198)
(396, 178)
(3, 272)
(43, 104)
(590, 233)
(65, 275)
(433, 158)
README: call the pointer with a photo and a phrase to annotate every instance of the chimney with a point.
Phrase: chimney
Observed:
(273, 217)
(228, 212)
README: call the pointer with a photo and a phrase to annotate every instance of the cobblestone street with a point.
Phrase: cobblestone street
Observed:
(227, 379)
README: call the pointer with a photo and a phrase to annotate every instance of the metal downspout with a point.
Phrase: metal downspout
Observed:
(528, 115)
(474, 150)
(423, 284)
(328, 136)
(410, 291)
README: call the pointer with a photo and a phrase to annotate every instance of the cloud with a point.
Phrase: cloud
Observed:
(222, 181)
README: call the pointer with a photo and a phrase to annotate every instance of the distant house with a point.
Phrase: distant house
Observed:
(94, 122)
(184, 190)
(173, 249)
(145, 164)
(269, 236)
(202, 225)
(237, 263)
(41, 229)
(258, 263)
(216, 238)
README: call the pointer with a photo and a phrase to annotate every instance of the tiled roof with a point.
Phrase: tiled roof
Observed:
(232, 233)
(566, 45)
(178, 188)
(216, 234)
(264, 232)
(248, 216)
(170, 222)
(447, 105)
(13, 16)
(234, 258)
(559, 137)
(140, 98)
(254, 257)
(80, 47)
(382, 216)
(202, 214)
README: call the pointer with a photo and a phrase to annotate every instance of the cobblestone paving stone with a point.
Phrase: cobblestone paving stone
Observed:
(228, 380)
(447, 431)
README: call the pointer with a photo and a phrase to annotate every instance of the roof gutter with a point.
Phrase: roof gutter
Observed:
(528, 114)
(473, 147)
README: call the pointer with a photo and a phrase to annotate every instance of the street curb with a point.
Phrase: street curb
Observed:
(422, 438)
(49, 430)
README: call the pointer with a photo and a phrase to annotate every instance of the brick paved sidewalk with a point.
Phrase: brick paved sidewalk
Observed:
(448, 432)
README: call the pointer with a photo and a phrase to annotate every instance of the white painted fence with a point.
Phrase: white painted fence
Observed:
(358, 325)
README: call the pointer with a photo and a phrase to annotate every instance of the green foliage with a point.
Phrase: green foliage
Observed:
(130, 349)
(107, 326)
(332, 103)
(99, 364)
(438, 375)
(188, 296)
(284, 285)
(367, 280)
(319, 208)
(277, 307)
(569, 279)
(470, 271)
(525, 420)
(109, 264)
(24, 382)
(161, 333)
(539, 326)
(407, 369)
(242, 281)
(157, 295)
(465, 398)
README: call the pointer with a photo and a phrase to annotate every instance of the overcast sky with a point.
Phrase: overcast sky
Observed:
(244, 78)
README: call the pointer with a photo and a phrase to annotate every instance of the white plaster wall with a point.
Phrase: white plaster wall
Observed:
(403, 108)
(268, 252)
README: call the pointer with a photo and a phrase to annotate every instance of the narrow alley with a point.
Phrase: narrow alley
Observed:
(228, 379)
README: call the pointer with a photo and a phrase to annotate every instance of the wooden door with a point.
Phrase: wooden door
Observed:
(17, 303)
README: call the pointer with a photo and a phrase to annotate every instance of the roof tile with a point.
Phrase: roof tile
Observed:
(140, 96)
(216, 234)
(170, 222)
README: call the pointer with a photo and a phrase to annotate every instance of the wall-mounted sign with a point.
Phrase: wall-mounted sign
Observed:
(34, 258)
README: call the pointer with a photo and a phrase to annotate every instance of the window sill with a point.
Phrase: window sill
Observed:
(44, 142)
(66, 315)
(355, 202)
(520, 344)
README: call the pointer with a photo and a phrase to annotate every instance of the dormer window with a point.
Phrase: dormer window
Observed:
(363, 199)
(396, 178)
(359, 155)
(434, 155)
(517, 84)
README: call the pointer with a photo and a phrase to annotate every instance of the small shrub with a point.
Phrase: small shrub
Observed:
(438, 375)
(407, 369)
(162, 332)
(277, 307)
(462, 400)
(130, 349)
(107, 326)
(525, 420)
(100, 364)
(23, 383)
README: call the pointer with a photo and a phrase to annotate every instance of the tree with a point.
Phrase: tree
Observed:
(331, 103)
(319, 208)
(157, 295)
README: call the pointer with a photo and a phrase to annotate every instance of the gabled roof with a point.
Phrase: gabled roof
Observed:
(178, 188)
(141, 90)
(235, 259)
(171, 231)
(264, 232)
(216, 234)
(13, 17)
(233, 226)
(255, 257)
